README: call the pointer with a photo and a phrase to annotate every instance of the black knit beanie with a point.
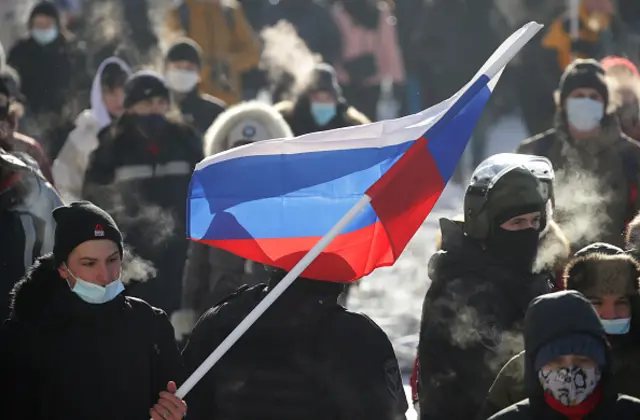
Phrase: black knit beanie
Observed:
(324, 79)
(185, 50)
(45, 8)
(79, 222)
(144, 85)
(584, 74)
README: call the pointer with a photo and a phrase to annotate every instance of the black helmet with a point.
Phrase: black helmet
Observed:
(502, 182)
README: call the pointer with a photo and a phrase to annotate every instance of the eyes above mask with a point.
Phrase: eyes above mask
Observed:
(182, 81)
(94, 293)
(584, 114)
(44, 36)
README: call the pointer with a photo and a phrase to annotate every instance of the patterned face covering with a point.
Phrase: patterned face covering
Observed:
(571, 385)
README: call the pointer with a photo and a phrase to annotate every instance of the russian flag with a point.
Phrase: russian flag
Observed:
(272, 201)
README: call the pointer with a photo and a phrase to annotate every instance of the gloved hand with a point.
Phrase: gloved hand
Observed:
(183, 321)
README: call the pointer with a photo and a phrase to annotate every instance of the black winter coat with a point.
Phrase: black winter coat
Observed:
(471, 325)
(63, 358)
(142, 180)
(305, 358)
(547, 322)
(49, 74)
(200, 111)
(298, 116)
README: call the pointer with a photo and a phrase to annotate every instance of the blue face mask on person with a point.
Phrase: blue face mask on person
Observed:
(94, 293)
(45, 36)
(618, 326)
(323, 112)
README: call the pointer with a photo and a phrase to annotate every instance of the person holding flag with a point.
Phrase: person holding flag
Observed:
(306, 358)
(482, 283)
(330, 207)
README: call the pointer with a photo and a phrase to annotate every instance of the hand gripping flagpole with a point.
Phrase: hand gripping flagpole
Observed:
(271, 297)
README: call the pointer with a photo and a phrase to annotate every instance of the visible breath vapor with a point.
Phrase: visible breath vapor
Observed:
(134, 214)
(135, 268)
(581, 204)
(105, 21)
(285, 55)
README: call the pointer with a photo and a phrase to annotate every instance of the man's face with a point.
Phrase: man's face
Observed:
(42, 22)
(611, 306)
(589, 93)
(322, 97)
(153, 106)
(183, 65)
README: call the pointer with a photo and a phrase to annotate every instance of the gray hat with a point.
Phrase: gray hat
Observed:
(578, 344)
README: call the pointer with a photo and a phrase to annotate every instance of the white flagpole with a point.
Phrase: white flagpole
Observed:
(492, 68)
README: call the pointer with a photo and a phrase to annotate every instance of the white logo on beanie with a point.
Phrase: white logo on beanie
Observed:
(99, 231)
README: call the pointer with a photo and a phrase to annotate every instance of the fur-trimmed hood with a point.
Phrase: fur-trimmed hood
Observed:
(216, 137)
(632, 235)
(33, 293)
(599, 274)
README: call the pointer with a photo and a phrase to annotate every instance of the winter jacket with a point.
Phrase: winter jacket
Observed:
(358, 42)
(606, 167)
(200, 111)
(471, 325)
(21, 143)
(553, 253)
(546, 322)
(26, 225)
(142, 179)
(287, 366)
(298, 116)
(71, 163)
(68, 359)
(314, 24)
(49, 74)
(227, 40)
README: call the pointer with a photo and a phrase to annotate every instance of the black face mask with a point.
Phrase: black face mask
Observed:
(516, 250)
(151, 125)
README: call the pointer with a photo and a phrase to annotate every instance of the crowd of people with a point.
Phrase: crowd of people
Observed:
(107, 307)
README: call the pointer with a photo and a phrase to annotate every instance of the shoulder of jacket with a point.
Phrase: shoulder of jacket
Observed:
(530, 144)
(356, 117)
(213, 101)
(285, 107)
(629, 401)
(517, 411)
(142, 306)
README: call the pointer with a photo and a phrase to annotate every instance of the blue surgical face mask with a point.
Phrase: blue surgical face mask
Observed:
(618, 326)
(94, 293)
(45, 36)
(584, 114)
(323, 112)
